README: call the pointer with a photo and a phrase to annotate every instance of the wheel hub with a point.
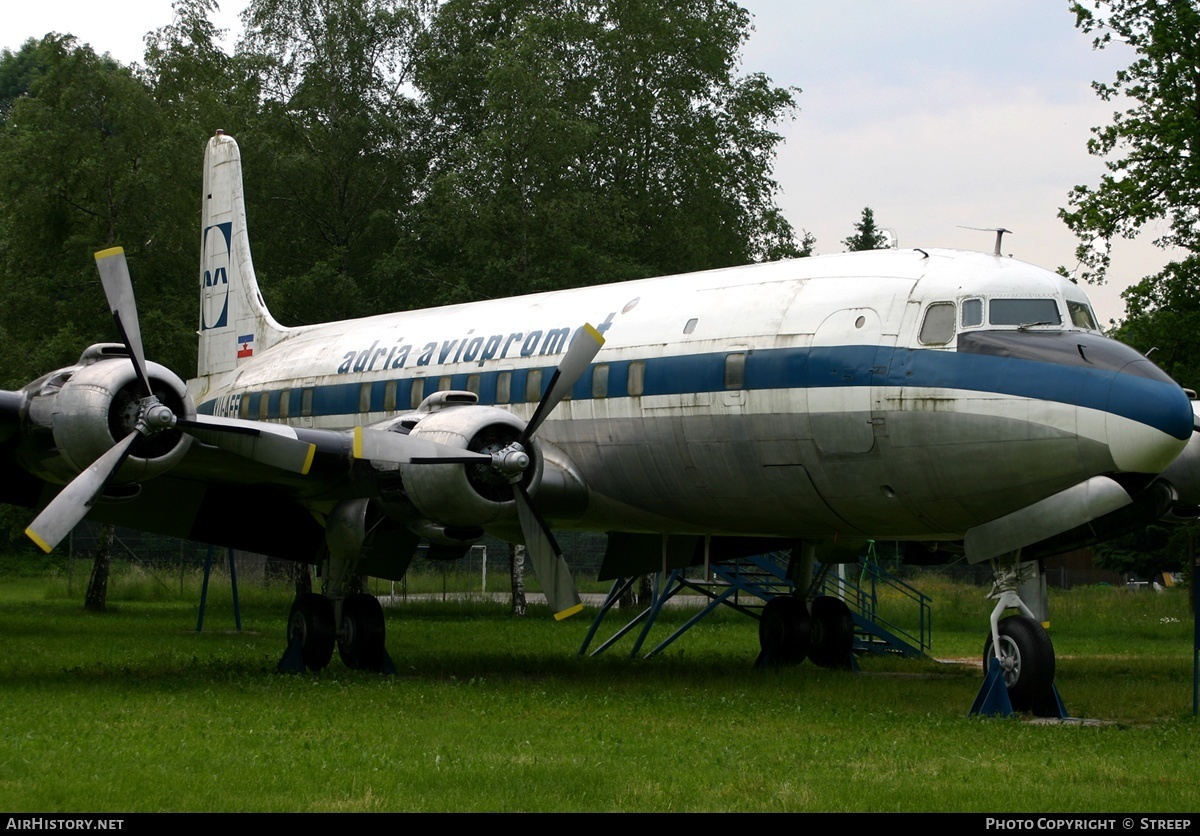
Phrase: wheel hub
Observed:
(1010, 661)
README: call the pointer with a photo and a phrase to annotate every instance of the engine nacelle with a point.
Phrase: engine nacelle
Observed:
(91, 407)
(1184, 472)
(468, 495)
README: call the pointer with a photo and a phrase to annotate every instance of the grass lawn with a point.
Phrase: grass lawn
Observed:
(132, 710)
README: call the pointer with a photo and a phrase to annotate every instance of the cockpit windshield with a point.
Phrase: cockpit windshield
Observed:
(938, 326)
(1023, 312)
(1081, 315)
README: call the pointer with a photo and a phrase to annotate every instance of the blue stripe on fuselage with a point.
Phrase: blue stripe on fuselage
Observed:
(1157, 403)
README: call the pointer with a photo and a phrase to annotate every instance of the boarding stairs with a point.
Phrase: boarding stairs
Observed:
(900, 626)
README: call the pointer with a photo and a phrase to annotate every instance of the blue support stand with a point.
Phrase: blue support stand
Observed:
(237, 610)
(993, 701)
(292, 660)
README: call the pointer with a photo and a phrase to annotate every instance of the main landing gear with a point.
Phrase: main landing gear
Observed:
(359, 634)
(1018, 656)
(788, 632)
(796, 626)
(342, 614)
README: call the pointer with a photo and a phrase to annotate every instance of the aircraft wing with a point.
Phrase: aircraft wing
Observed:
(124, 439)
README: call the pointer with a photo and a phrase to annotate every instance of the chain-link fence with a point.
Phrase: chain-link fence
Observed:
(171, 561)
(485, 566)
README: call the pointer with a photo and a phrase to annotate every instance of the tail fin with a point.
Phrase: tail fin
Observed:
(234, 322)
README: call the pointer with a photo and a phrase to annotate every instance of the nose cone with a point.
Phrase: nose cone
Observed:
(1149, 419)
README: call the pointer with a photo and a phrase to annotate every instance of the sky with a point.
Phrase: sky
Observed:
(937, 114)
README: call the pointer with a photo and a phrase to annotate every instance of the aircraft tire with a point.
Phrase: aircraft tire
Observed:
(1028, 656)
(360, 643)
(832, 639)
(784, 630)
(311, 621)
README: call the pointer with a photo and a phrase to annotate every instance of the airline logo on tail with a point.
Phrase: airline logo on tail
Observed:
(214, 304)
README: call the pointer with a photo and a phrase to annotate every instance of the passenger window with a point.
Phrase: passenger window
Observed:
(735, 371)
(284, 398)
(306, 403)
(533, 386)
(938, 327)
(244, 407)
(600, 381)
(389, 396)
(364, 398)
(418, 392)
(972, 313)
(503, 387)
(473, 383)
(264, 404)
(636, 379)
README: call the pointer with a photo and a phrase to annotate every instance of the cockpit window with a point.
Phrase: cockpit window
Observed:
(1081, 315)
(972, 313)
(1023, 312)
(938, 327)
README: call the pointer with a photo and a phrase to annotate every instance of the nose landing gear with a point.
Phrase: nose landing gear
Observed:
(1018, 656)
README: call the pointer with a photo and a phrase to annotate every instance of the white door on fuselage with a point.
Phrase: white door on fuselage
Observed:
(841, 366)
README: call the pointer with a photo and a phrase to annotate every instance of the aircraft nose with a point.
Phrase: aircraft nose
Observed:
(1148, 419)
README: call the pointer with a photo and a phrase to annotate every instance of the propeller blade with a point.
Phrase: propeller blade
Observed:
(398, 448)
(74, 501)
(118, 289)
(271, 444)
(548, 563)
(579, 356)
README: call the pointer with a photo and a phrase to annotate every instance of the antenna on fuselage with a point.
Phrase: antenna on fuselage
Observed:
(999, 230)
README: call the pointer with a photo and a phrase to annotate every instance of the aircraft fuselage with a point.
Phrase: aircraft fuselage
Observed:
(895, 394)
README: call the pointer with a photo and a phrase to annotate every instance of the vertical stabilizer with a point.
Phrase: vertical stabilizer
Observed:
(234, 323)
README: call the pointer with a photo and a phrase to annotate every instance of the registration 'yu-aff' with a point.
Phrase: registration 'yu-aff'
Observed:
(931, 396)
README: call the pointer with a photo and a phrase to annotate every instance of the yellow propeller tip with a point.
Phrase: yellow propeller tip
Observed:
(109, 253)
(567, 613)
(38, 541)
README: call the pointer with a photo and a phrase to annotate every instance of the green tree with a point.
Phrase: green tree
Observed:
(1152, 147)
(595, 140)
(84, 168)
(198, 85)
(866, 235)
(336, 154)
(1148, 552)
(1151, 150)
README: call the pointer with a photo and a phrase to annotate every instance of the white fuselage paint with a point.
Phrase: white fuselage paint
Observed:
(675, 433)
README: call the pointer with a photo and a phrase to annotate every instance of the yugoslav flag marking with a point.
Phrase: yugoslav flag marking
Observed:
(245, 346)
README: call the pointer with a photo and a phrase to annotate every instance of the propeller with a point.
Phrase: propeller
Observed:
(510, 462)
(74, 501)
(579, 356)
(547, 558)
(276, 445)
(270, 444)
